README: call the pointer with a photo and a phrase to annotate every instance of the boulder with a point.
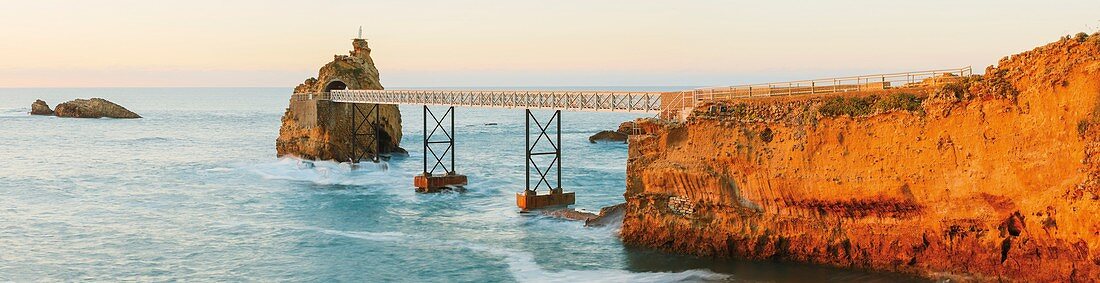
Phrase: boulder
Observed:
(93, 108)
(40, 107)
(608, 136)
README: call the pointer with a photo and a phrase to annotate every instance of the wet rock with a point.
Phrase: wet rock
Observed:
(609, 216)
(93, 108)
(608, 136)
(568, 214)
(40, 107)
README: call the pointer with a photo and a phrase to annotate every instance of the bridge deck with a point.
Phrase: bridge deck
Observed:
(603, 101)
(669, 104)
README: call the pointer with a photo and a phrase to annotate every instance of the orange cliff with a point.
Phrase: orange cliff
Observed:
(994, 177)
(320, 129)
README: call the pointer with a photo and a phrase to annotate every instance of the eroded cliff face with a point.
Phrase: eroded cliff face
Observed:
(996, 177)
(314, 128)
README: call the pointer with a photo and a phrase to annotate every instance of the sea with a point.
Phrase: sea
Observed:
(194, 192)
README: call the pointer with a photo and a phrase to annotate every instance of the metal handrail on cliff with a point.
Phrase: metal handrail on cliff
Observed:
(829, 85)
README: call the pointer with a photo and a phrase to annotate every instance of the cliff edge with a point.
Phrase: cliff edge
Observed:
(316, 128)
(993, 177)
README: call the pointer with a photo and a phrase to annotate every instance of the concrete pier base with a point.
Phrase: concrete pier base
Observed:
(531, 200)
(436, 183)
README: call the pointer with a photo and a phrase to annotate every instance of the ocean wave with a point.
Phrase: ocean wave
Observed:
(14, 112)
(326, 172)
(523, 267)
(373, 236)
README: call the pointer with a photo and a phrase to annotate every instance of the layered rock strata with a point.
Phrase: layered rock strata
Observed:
(994, 177)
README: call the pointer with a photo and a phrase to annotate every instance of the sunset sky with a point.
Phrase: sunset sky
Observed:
(51, 43)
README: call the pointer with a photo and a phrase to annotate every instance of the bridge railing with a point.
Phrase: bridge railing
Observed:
(830, 85)
(309, 96)
(604, 101)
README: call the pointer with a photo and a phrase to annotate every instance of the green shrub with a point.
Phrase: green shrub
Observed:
(1081, 37)
(902, 101)
(851, 106)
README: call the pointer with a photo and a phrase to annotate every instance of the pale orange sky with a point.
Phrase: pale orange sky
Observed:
(513, 43)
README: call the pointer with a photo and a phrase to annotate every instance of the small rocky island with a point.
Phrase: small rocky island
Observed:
(84, 108)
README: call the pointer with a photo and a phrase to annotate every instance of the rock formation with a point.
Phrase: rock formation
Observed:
(608, 136)
(40, 107)
(620, 135)
(314, 128)
(92, 108)
(994, 177)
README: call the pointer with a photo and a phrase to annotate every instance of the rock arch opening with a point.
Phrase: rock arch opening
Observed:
(335, 85)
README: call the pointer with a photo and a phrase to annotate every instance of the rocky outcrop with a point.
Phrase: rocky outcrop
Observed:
(608, 136)
(609, 216)
(995, 177)
(315, 128)
(93, 108)
(40, 107)
(620, 135)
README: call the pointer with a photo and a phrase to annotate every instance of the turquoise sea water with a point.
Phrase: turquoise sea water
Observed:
(194, 192)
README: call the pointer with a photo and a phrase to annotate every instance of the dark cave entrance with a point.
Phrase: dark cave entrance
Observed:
(336, 85)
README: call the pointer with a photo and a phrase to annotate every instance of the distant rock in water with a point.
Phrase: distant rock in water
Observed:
(40, 107)
(93, 108)
(608, 136)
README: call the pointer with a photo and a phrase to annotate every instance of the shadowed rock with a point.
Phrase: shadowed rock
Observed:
(40, 107)
(93, 108)
(608, 136)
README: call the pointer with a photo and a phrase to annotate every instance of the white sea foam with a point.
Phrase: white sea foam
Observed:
(372, 236)
(219, 170)
(523, 267)
(325, 172)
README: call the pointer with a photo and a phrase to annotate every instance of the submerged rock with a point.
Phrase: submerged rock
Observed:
(40, 107)
(93, 108)
(608, 136)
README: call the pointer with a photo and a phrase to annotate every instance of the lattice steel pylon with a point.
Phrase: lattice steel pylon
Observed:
(449, 141)
(555, 145)
(529, 199)
(428, 181)
(365, 143)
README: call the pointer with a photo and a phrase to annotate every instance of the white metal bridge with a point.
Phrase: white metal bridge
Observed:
(665, 103)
